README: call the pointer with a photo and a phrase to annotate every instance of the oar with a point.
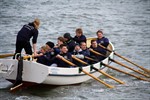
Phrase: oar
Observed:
(117, 80)
(88, 58)
(16, 87)
(125, 72)
(144, 69)
(97, 53)
(29, 56)
(5, 55)
(65, 60)
(79, 60)
(129, 68)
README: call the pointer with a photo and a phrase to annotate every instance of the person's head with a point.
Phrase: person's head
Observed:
(79, 32)
(49, 45)
(43, 49)
(83, 45)
(77, 47)
(36, 23)
(67, 36)
(63, 48)
(99, 34)
(94, 43)
(60, 40)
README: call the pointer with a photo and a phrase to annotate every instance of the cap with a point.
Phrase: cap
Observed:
(67, 35)
(50, 44)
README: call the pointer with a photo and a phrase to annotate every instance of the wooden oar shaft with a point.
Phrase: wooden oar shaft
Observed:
(97, 53)
(117, 80)
(79, 60)
(105, 48)
(65, 60)
(14, 88)
(125, 72)
(110, 86)
(5, 55)
(144, 69)
(29, 56)
(88, 58)
(130, 68)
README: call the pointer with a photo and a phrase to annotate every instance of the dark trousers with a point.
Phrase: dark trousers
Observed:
(23, 45)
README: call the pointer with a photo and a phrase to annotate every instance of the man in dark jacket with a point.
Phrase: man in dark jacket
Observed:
(79, 37)
(65, 54)
(49, 57)
(97, 48)
(69, 42)
(101, 39)
(24, 36)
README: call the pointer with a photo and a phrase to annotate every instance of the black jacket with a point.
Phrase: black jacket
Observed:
(27, 32)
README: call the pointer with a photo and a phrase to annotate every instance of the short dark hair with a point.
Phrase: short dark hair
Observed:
(61, 39)
(99, 31)
(50, 44)
(63, 45)
(82, 43)
(79, 30)
(93, 41)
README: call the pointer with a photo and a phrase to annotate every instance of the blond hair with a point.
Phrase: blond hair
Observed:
(44, 48)
(36, 23)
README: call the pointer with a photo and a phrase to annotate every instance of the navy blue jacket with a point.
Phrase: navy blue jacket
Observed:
(61, 63)
(48, 57)
(103, 41)
(100, 50)
(86, 52)
(80, 39)
(27, 32)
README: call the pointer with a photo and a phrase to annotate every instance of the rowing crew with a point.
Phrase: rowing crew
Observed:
(66, 46)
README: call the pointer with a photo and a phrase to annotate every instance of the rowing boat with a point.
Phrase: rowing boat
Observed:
(41, 74)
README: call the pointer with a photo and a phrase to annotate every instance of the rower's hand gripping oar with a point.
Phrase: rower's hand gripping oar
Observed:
(65, 60)
(117, 80)
(144, 69)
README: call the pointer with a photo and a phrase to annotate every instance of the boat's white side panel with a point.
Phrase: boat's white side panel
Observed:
(66, 76)
(69, 79)
(34, 72)
(8, 68)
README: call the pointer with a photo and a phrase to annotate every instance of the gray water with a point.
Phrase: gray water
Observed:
(125, 22)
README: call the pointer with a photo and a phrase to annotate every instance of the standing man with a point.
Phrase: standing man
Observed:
(24, 36)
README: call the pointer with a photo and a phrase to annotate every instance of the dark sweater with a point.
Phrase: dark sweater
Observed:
(103, 41)
(80, 39)
(27, 32)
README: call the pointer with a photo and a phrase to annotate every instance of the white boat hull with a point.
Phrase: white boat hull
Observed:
(42, 74)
